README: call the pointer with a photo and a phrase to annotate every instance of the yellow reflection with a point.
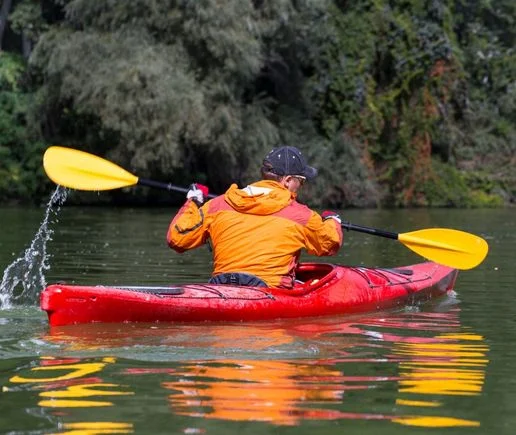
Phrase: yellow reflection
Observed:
(73, 403)
(424, 380)
(422, 403)
(75, 371)
(269, 391)
(77, 391)
(77, 387)
(453, 365)
(436, 422)
(94, 428)
(86, 390)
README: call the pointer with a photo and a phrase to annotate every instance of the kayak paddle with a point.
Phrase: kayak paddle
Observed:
(83, 171)
(453, 248)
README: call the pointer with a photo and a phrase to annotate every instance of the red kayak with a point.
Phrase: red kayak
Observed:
(323, 290)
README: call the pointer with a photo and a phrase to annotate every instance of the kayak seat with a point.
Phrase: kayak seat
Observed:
(312, 272)
(309, 274)
(237, 278)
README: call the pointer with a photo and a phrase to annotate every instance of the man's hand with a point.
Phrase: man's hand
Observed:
(331, 215)
(198, 192)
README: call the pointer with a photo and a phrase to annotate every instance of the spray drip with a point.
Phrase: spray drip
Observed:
(28, 270)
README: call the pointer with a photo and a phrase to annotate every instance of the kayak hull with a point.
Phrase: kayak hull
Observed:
(326, 290)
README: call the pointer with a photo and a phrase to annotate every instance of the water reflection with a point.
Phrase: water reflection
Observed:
(287, 392)
(453, 365)
(65, 384)
(399, 368)
(270, 391)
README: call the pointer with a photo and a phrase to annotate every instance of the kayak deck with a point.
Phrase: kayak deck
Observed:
(324, 289)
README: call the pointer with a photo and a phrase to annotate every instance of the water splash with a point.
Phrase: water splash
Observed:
(28, 270)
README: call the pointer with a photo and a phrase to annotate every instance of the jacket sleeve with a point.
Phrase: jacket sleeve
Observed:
(188, 228)
(322, 237)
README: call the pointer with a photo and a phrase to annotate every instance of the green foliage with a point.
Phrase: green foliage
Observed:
(393, 76)
(399, 103)
(379, 86)
(12, 69)
(20, 151)
(27, 19)
(174, 79)
(449, 187)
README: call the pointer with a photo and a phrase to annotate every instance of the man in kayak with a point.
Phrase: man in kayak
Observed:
(257, 232)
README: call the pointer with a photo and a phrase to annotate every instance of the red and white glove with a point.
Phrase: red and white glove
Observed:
(198, 192)
(331, 215)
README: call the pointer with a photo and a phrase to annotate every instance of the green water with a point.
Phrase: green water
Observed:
(445, 367)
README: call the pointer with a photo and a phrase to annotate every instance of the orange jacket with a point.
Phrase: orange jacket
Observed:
(258, 230)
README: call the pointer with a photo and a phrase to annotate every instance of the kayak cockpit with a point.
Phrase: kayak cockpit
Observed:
(310, 275)
(310, 271)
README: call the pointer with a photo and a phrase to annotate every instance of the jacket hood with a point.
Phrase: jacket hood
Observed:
(261, 198)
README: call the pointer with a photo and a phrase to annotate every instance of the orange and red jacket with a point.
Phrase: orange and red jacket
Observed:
(259, 230)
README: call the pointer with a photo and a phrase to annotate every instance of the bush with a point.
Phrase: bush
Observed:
(21, 176)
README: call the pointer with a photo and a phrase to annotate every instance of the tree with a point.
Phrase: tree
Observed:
(21, 175)
(4, 13)
(395, 76)
(174, 80)
(399, 103)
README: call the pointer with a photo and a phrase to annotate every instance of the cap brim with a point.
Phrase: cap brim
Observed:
(310, 172)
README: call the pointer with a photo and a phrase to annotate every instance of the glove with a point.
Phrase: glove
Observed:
(331, 215)
(197, 193)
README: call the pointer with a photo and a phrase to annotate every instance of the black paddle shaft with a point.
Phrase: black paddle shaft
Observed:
(352, 227)
(166, 186)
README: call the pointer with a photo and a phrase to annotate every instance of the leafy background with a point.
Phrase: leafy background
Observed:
(398, 103)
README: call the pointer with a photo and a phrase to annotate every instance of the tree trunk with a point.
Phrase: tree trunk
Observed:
(4, 13)
(26, 46)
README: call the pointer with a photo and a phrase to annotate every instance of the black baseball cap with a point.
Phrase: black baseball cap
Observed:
(287, 160)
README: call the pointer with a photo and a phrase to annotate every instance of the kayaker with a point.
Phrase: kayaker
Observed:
(257, 232)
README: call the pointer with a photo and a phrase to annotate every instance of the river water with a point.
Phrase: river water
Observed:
(444, 367)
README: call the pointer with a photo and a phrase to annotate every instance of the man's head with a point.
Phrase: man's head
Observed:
(287, 165)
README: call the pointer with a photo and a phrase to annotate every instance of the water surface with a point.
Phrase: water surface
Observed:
(444, 367)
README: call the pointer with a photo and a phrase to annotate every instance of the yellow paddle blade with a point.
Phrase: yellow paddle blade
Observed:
(83, 171)
(453, 248)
